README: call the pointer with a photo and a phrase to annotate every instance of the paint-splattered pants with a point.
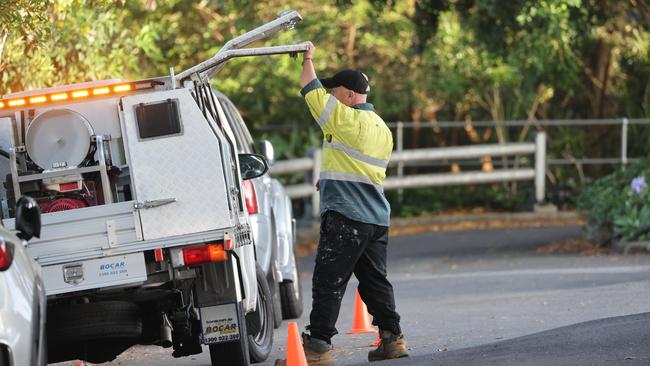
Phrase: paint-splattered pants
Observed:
(345, 247)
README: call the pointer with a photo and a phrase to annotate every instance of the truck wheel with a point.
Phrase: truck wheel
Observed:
(95, 320)
(260, 342)
(291, 293)
(232, 353)
(96, 332)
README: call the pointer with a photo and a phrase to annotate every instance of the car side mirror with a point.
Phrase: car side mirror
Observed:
(266, 149)
(28, 218)
(252, 165)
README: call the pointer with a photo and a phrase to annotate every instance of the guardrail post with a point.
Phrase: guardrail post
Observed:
(624, 141)
(540, 167)
(400, 148)
(315, 176)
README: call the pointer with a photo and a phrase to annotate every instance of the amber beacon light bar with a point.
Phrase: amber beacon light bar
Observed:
(63, 96)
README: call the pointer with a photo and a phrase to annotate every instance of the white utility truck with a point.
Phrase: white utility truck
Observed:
(145, 236)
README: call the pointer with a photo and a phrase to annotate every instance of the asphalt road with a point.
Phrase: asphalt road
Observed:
(610, 341)
(481, 297)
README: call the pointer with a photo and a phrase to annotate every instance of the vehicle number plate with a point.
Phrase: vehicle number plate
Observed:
(220, 324)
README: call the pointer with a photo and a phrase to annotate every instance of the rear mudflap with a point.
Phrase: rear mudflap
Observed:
(220, 323)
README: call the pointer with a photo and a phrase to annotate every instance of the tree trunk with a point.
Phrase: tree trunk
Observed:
(349, 48)
(3, 39)
(601, 74)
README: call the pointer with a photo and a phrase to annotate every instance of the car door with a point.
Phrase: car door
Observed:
(256, 191)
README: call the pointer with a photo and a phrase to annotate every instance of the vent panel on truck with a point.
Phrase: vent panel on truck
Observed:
(158, 119)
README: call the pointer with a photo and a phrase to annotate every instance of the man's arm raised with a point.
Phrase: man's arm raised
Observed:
(322, 105)
(308, 72)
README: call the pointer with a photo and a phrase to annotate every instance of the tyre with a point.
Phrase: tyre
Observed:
(291, 294)
(95, 332)
(232, 353)
(260, 342)
(95, 320)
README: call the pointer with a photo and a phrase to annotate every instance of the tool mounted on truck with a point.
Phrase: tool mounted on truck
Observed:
(64, 141)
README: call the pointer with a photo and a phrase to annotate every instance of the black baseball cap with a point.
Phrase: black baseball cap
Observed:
(351, 79)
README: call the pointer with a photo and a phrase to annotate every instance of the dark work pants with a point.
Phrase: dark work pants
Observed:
(345, 247)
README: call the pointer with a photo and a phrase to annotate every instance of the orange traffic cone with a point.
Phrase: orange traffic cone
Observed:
(360, 321)
(295, 352)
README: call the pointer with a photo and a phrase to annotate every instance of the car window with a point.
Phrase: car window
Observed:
(244, 141)
(214, 113)
(242, 124)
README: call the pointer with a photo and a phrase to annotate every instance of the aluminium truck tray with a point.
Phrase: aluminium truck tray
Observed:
(97, 232)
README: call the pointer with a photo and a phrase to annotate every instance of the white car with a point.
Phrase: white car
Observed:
(272, 223)
(22, 294)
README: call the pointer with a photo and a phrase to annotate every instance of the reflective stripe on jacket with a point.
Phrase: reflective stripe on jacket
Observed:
(357, 146)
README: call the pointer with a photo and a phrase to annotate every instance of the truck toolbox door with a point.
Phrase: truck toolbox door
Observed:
(177, 175)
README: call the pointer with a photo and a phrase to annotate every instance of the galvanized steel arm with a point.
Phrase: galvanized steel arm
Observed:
(234, 47)
(222, 57)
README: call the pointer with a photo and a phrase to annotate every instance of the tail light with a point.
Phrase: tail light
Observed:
(250, 197)
(204, 253)
(229, 244)
(6, 255)
(159, 255)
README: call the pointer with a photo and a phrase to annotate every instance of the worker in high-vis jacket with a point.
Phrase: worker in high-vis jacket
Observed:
(355, 215)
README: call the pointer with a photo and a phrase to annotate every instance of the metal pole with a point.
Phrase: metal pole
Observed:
(624, 141)
(219, 59)
(286, 20)
(13, 168)
(462, 152)
(103, 171)
(400, 148)
(315, 197)
(449, 179)
(540, 167)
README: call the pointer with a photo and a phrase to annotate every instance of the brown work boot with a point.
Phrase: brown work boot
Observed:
(391, 346)
(316, 352)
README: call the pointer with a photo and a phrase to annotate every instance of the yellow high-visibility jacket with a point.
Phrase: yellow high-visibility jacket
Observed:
(357, 146)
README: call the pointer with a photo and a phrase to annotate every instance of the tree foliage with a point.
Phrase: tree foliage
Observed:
(428, 60)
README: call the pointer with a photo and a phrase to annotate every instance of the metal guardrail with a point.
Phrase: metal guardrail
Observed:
(538, 149)
(624, 123)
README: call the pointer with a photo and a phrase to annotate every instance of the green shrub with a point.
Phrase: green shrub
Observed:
(425, 201)
(620, 202)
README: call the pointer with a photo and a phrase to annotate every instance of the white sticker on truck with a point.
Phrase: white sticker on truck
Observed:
(220, 324)
(94, 273)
